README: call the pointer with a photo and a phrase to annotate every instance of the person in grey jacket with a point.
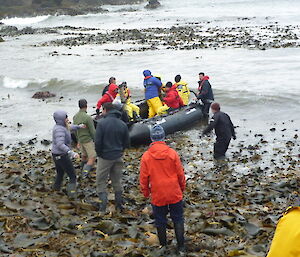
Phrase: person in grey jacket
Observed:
(111, 139)
(62, 152)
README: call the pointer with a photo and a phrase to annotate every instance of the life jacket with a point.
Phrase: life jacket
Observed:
(202, 82)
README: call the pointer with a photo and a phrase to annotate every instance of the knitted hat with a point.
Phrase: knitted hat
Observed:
(157, 133)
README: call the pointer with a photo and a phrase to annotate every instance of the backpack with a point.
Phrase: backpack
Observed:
(105, 89)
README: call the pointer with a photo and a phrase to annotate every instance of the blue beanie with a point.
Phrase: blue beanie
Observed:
(157, 133)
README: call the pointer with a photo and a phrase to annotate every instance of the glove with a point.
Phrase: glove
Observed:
(97, 111)
(234, 137)
(82, 125)
(72, 154)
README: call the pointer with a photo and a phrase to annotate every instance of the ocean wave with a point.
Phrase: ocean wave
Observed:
(24, 21)
(53, 85)
(8, 82)
(225, 97)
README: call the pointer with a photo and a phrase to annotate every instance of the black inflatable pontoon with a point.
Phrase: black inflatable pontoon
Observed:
(180, 119)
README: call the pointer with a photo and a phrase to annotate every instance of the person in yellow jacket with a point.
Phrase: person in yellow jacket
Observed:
(131, 109)
(286, 240)
(182, 89)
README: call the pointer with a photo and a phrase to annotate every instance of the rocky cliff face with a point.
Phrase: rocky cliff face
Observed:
(23, 8)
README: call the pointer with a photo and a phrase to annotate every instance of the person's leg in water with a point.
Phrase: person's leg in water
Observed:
(220, 148)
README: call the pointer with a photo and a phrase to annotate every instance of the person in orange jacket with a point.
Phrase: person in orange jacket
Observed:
(108, 95)
(162, 178)
(286, 239)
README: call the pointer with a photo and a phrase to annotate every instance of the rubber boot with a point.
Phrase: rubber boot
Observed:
(85, 170)
(82, 164)
(71, 190)
(103, 202)
(119, 201)
(162, 235)
(179, 232)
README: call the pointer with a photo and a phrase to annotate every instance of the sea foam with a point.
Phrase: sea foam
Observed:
(15, 83)
(24, 21)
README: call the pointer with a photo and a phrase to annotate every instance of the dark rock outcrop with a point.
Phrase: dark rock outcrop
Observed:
(43, 95)
(152, 4)
(25, 8)
(1, 39)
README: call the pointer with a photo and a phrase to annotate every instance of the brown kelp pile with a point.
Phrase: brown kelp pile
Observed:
(230, 209)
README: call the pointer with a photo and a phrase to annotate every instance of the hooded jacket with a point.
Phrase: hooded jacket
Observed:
(152, 85)
(61, 136)
(109, 96)
(112, 136)
(172, 98)
(162, 175)
(286, 239)
(204, 90)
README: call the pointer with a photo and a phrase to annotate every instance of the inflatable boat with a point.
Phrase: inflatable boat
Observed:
(177, 120)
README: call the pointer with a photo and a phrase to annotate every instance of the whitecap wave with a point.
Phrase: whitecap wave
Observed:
(24, 21)
(15, 83)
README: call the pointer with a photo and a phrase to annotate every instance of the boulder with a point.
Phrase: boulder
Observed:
(43, 95)
(1, 39)
(152, 4)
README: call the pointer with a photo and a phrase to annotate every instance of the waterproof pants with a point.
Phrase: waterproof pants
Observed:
(206, 106)
(220, 147)
(163, 110)
(153, 104)
(160, 213)
(109, 169)
(130, 109)
(63, 164)
(286, 239)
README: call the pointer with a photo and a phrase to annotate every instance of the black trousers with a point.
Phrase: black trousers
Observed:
(63, 164)
(206, 106)
(220, 147)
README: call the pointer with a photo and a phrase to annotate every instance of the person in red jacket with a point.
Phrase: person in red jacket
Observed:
(162, 178)
(172, 100)
(108, 96)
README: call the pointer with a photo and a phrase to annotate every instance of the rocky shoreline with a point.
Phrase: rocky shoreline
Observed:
(187, 37)
(229, 210)
(30, 8)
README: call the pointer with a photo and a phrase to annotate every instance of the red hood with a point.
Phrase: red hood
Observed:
(205, 78)
(111, 90)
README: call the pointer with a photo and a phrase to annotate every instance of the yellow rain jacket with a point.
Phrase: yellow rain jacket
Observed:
(183, 91)
(130, 108)
(286, 240)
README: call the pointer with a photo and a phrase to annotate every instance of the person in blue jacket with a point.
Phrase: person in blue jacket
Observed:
(152, 87)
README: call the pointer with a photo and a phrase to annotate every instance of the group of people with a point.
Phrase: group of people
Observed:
(160, 98)
(161, 172)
